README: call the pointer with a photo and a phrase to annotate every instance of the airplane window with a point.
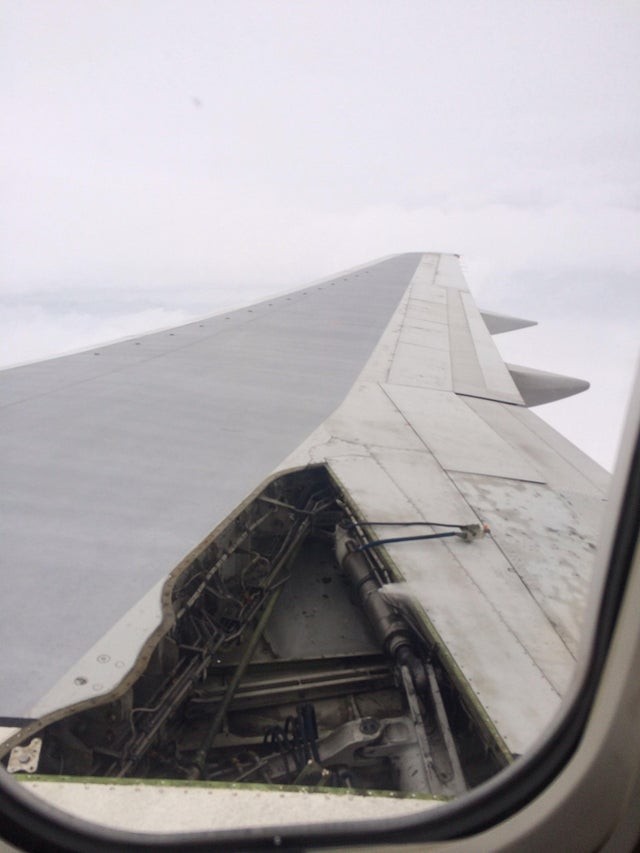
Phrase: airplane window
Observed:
(286, 559)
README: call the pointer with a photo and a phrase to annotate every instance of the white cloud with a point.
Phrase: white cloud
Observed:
(196, 153)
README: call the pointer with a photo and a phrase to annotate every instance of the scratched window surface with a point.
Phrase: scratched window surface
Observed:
(301, 508)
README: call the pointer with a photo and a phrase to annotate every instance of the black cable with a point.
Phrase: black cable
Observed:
(377, 542)
(400, 524)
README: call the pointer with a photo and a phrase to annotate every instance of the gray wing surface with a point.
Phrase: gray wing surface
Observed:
(117, 464)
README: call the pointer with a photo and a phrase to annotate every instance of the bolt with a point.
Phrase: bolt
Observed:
(369, 726)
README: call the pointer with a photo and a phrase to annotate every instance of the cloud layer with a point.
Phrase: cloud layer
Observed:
(165, 159)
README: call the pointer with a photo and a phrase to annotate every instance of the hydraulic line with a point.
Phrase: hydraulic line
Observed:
(292, 542)
(216, 723)
(391, 630)
(457, 776)
(367, 523)
(377, 542)
(430, 775)
(468, 532)
(175, 693)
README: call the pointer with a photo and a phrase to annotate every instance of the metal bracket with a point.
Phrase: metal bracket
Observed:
(469, 532)
(24, 759)
(343, 744)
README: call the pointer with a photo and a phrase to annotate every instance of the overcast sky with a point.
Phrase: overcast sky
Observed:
(163, 159)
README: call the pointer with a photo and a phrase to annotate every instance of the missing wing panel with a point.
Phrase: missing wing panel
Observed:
(285, 664)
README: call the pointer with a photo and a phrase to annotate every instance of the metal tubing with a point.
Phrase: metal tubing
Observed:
(292, 542)
(458, 780)
(390, 628)
(214, 728)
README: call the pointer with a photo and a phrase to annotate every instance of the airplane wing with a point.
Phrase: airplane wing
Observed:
(385, 379)
(118, 460)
